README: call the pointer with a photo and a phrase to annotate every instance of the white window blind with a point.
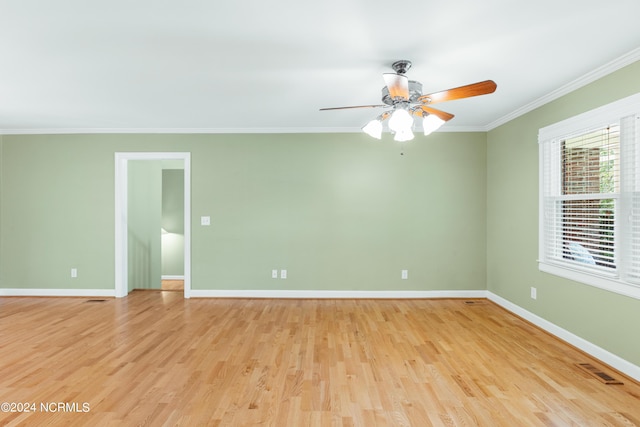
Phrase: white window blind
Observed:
(590, 197)
(581, 206)
(630, 197)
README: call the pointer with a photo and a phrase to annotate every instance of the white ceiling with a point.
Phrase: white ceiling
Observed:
(262, 66)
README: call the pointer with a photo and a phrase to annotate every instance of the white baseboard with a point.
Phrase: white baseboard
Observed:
(599, 353)
(170, 277)
(312, 294)
(318, 294)
(26, 292)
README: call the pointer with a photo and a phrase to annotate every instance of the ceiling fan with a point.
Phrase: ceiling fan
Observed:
(403, 99)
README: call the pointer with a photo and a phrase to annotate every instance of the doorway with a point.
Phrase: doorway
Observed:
(133, 261)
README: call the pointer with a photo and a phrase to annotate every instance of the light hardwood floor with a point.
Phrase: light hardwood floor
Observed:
(154, 359)
(172, 285)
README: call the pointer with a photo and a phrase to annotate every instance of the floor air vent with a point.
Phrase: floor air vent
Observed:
(602, 376)
(96, 300)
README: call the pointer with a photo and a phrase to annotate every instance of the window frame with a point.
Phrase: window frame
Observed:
(583, 123)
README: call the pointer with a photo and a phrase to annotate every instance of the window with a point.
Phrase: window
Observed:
(590, 197)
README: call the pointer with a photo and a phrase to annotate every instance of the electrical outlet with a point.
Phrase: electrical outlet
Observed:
(404, 274)
(283, 274)
(205, 220)
(534, 293)
(274, 274)
(74, 272)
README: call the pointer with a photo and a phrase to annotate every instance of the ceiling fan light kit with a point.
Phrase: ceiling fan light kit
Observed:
(430, 123)
(374, 128)
(403, 100)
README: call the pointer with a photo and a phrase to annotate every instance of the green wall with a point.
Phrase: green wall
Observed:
(57, 213)
(1, 204)
(601, 317)
(173, 222)
(338, 211)
(144, 221)
(1, 198)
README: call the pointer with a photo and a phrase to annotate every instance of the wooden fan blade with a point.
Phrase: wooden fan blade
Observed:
(474, 89)
(355, 106)
(397, 84)
(443, 115)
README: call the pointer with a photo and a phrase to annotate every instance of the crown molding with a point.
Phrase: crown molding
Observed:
(580, 82)
(618, 63)
(301, 130)
(66, 131)
(448, 129)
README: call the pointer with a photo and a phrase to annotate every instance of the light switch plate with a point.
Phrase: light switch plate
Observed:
(205, 220)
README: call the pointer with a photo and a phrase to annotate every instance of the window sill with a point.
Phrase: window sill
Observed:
(609, 284)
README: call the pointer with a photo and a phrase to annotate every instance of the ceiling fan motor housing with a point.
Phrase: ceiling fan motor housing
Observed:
(415, 91)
